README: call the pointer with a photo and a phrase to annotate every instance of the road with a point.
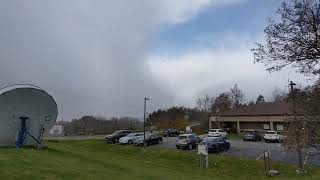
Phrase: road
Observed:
(239, 148)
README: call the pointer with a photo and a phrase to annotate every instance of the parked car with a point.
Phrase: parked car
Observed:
(130, 138)
(252, 135)
(114, 137)
(272, 136)
(171, 132)
(187, 141)
(150, 140)
(218, 133)
(216, 144)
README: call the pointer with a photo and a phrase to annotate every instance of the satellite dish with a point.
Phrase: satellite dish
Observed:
(27, 112)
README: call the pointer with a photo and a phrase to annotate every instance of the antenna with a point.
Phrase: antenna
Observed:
(27, 112)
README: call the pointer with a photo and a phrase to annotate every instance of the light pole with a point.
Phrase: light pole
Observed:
(144, 118)
(300, 170)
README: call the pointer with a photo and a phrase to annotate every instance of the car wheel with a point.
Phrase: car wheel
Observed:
(266, 140)
(190, 147)
(130, 142)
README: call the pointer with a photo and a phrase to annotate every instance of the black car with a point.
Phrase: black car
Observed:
(252, 135)
(150, 140)
(216, 144)
(171, 132)
(114, 137)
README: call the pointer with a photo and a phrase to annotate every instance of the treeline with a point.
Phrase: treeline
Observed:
(178, 117)
(87, 125)
(233, 99)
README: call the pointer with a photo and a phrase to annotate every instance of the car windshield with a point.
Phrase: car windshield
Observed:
(183, 137)
(213, 130)
(270, 132)
(210, 139)
(131, 134)
(149, 135)
(116, 132)
(250, 132)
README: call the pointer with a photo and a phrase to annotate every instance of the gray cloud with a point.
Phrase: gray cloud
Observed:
(92, 55)
(88, 54)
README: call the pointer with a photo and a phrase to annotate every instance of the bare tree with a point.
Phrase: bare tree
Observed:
(222, 103)
(206, 103)
(251, 103)
(278, 95)
(294, 40)
(304, 125)
(237, 96)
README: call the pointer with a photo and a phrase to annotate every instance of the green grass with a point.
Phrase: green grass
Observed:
(96, 160)
(235, 136)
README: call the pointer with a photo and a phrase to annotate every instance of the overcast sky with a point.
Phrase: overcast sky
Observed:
(102, 57)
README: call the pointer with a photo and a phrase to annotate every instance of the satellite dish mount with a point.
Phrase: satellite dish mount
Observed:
(23, 133)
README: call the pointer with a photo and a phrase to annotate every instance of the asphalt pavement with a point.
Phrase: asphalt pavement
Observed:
(239, 148)
(254, 150)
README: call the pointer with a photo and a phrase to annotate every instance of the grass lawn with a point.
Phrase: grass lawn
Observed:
(235, 136)
(96, 160)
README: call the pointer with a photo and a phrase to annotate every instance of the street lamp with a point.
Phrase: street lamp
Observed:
(144, 118)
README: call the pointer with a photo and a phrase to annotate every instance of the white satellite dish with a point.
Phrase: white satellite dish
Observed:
(27, 112)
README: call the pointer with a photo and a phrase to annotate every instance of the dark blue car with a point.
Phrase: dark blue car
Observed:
(216, 144)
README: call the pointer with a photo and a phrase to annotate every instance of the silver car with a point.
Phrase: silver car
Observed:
(129, 139)
(186, 141)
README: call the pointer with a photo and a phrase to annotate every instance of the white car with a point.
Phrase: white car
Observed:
(217, 133)
(272, 136)
(130, 138)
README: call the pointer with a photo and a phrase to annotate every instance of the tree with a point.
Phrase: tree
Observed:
(294, 40)
(251, 103)
(278, 95)
(222, 103)
(237, 96)
(205, 104)
(260, 99)
(304, 126)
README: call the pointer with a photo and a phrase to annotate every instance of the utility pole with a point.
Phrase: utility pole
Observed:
(144, 118)
(295, 121)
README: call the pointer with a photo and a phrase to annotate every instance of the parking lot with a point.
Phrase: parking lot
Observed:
(252, 150)
(239, 148)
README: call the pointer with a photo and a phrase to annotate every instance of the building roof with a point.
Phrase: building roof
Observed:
(261, 109)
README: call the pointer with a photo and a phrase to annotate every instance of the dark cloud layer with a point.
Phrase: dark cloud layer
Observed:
(90, 55)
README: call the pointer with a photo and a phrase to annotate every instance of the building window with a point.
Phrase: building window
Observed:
(280, 127)
(266, 126)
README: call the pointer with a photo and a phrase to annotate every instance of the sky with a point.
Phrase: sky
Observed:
(101, 58)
